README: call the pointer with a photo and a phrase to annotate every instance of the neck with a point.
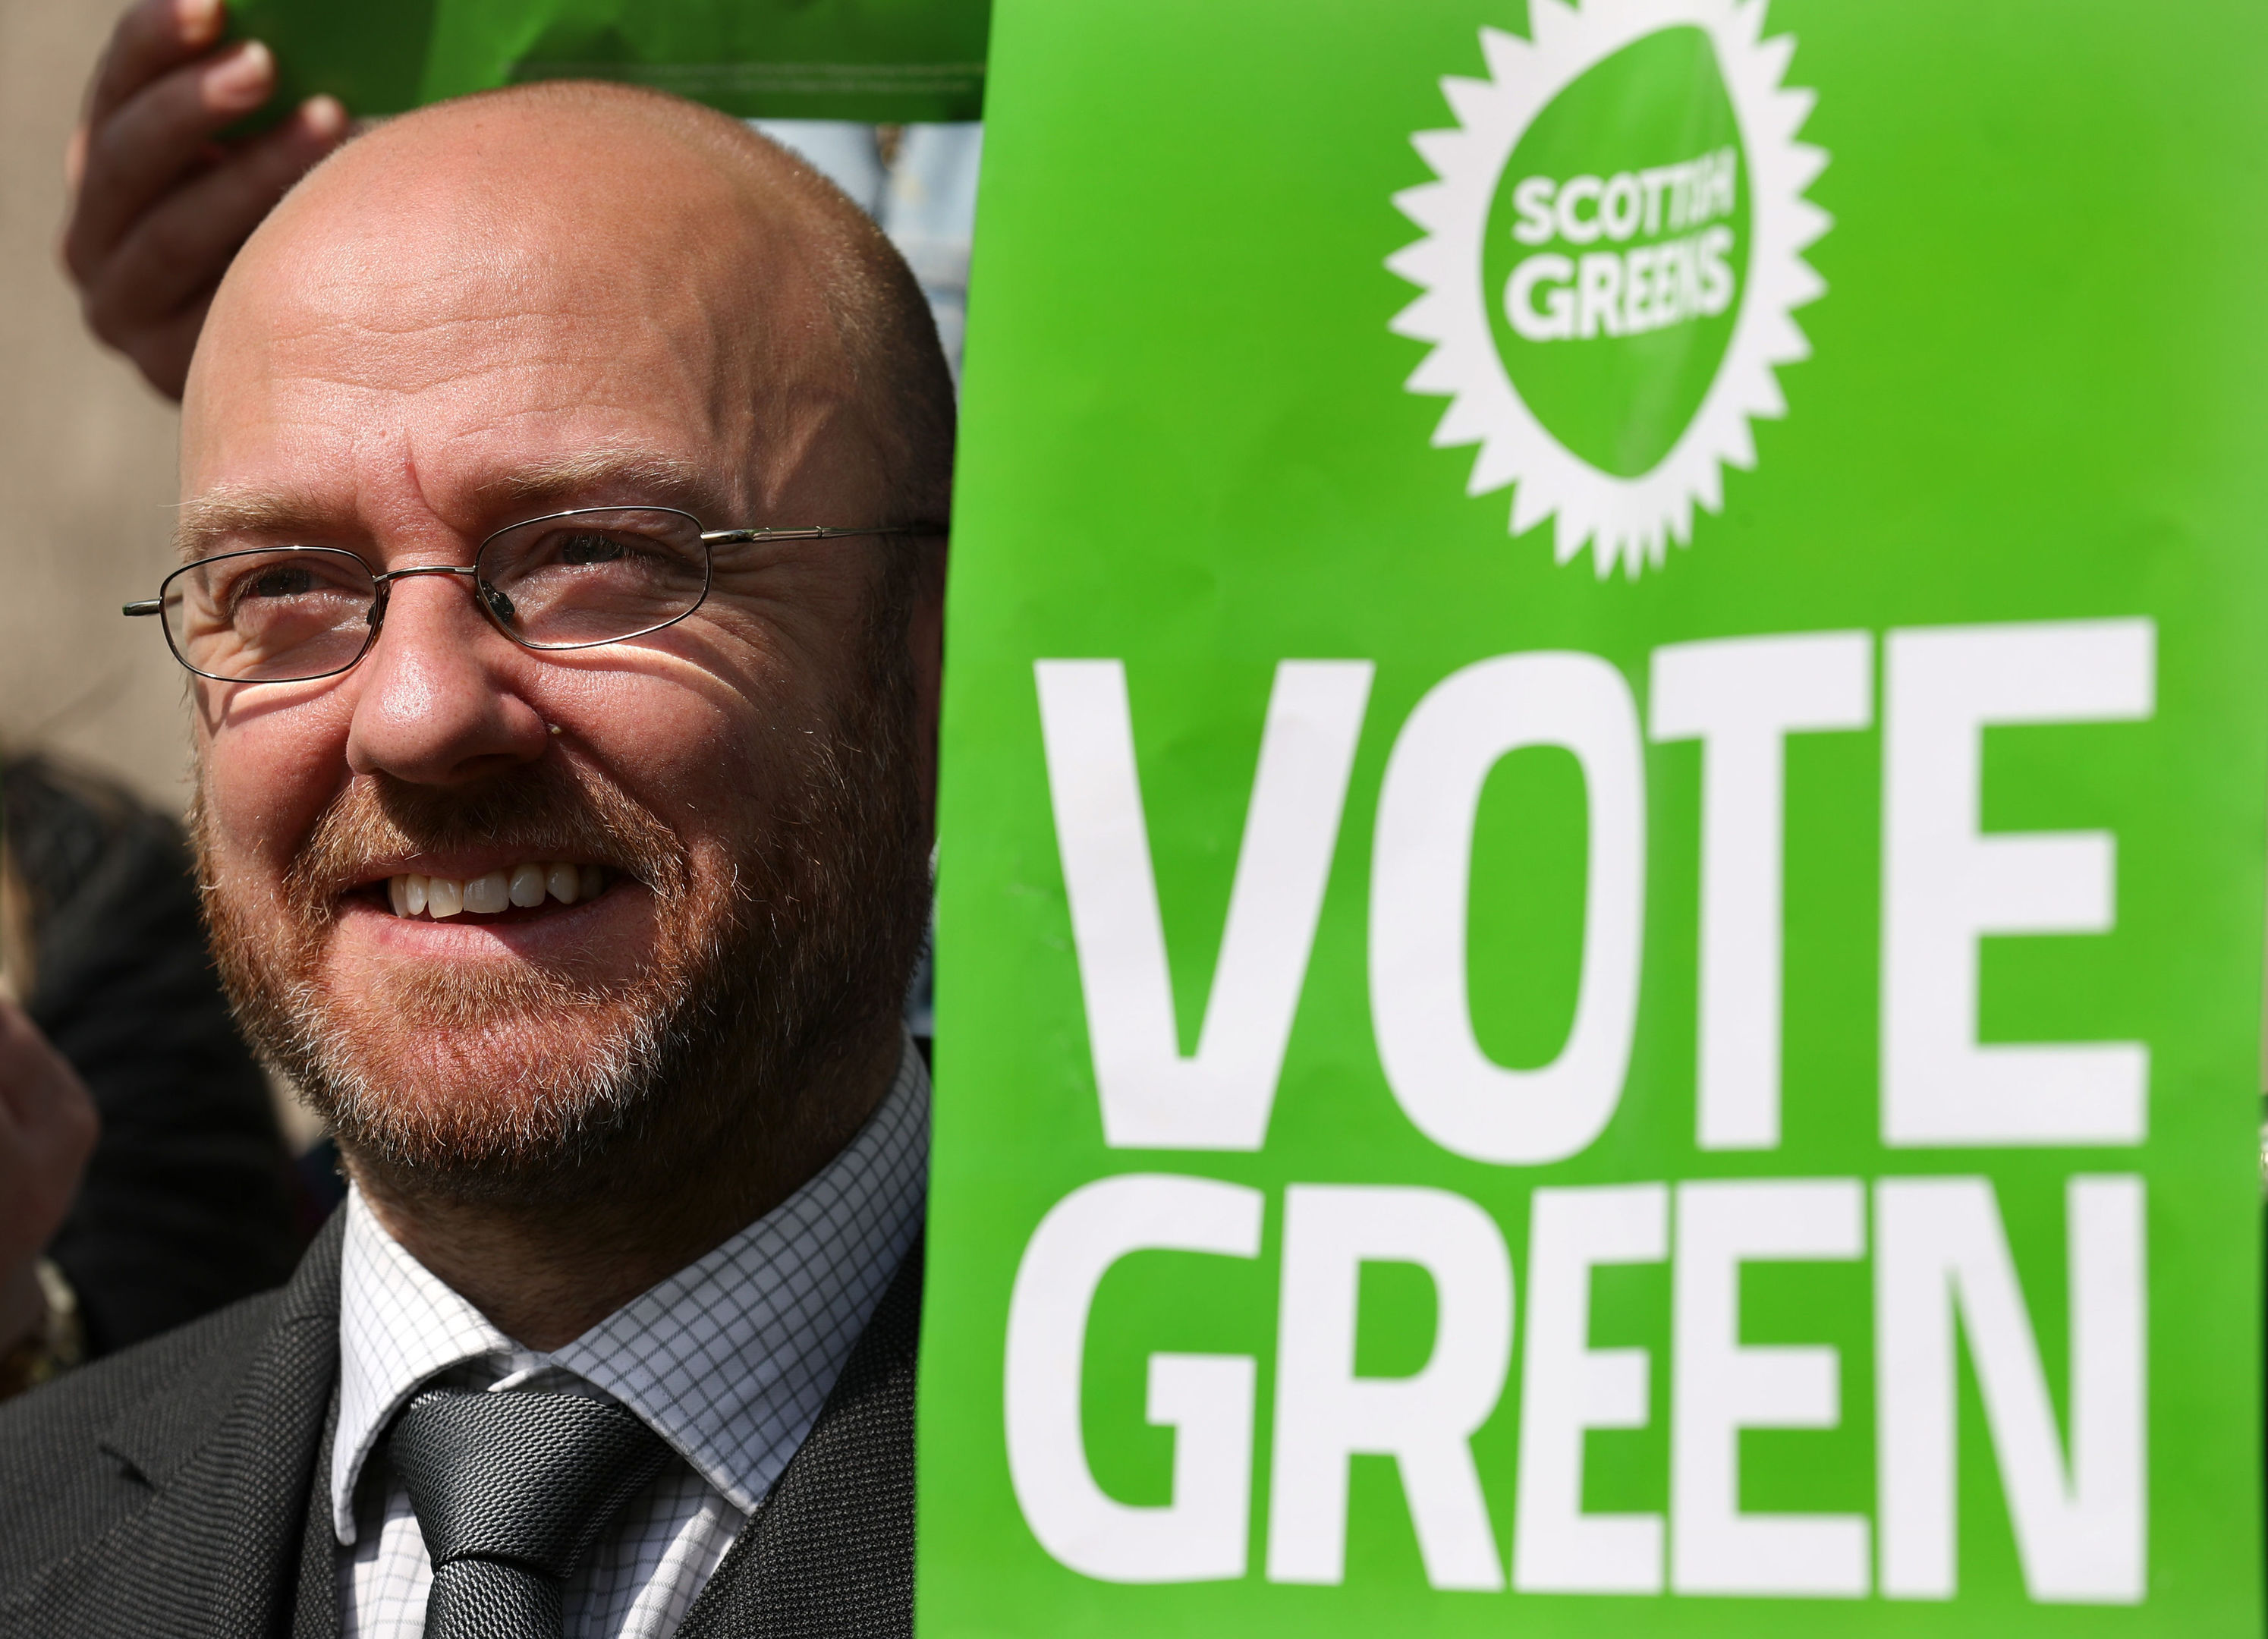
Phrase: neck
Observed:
(544, 1273)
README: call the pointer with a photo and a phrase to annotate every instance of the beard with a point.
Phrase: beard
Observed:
(780, 957)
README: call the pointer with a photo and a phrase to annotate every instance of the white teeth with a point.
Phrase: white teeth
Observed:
(485, 895)
(527, 885)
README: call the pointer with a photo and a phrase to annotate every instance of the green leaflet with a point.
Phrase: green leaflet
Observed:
(1599, 955)
(872, 60)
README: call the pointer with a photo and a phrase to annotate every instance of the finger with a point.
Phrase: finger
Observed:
(48, 1105)
(19, 1099)
(162, 352)
(183, 244)
(152, 37)
(156, 137)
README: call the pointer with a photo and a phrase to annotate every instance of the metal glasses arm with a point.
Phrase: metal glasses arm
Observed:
(820, 531)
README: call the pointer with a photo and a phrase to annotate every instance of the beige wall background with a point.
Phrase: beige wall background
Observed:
(86, 455)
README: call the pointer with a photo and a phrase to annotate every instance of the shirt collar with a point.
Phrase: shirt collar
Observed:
(729, 1360)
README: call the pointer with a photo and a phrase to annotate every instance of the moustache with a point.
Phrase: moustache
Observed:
(548, 810)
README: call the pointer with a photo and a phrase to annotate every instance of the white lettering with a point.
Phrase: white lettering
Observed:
(1599, 295)
(1946, 884)
(1325, 1413)
(1532, 199)
(1421, 877)
(1656, 179)
(1568, 1388)
(1741, 697)
(1556, 321)
(1152, 1097)
(1717, 284)
(1622, 207)
(1201, 1534)
(1722, 1386)
(1938, 1248)
(1574, 229)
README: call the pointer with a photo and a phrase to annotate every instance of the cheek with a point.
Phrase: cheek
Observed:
(701, 755)
(268, 768)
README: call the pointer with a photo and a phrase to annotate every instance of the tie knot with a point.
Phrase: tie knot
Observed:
(527, 1479)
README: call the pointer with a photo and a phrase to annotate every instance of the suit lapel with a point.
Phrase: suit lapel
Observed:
(829, 1554)
(230, 1455)
(315, 1614)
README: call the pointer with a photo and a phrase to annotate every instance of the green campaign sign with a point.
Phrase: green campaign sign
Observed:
(1602, 825)
(876, 59)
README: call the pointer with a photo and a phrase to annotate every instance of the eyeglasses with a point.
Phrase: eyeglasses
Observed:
(567, 580)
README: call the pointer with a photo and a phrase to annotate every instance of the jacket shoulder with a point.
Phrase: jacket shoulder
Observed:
(77, 1454)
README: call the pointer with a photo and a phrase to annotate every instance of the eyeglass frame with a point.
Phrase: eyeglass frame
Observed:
(382, 581)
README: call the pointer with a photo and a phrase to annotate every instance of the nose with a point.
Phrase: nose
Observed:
(440, 699)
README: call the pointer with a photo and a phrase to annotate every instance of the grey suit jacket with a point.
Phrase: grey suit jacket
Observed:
(167, 1490)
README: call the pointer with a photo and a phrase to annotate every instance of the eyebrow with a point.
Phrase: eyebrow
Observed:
(228, 511)
(232, 513)
(566, 481)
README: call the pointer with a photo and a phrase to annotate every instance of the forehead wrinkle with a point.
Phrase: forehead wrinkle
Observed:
(235, 510)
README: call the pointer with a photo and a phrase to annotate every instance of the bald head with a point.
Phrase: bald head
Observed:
(597, 243)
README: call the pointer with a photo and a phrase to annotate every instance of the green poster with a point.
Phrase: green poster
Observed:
(1601, 873)
(875, 60)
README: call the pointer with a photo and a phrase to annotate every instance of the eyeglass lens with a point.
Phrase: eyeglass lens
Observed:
(594, 578)
(582, 578)
(270, 616)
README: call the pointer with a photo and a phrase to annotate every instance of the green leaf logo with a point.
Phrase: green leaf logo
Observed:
(1612, 253)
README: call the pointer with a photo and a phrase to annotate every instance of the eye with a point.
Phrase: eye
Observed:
(589, 547)
(277, 580)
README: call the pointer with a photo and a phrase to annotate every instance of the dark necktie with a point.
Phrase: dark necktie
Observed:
(510, 1491)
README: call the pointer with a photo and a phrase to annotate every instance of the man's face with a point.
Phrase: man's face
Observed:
(744, 788)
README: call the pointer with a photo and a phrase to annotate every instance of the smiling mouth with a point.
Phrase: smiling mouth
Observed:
(531, 886)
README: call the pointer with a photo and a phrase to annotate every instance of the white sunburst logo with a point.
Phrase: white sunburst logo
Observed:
(1613, 252)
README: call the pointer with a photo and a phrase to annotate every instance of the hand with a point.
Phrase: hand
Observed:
(48, 1127)
(159, 205)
